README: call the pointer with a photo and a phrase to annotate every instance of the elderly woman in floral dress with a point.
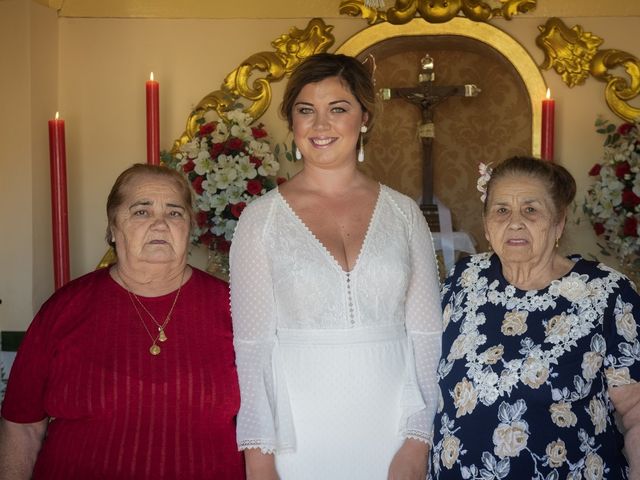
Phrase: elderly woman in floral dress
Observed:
(539, 350)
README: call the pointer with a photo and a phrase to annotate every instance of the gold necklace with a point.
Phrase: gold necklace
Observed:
(154, 349)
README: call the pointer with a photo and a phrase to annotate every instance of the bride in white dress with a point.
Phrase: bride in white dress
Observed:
(335, 301)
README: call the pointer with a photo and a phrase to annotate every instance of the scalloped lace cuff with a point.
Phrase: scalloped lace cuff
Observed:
(418, 435)
(265, 447)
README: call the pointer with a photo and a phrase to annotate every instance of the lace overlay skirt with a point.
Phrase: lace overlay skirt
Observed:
(345, 389)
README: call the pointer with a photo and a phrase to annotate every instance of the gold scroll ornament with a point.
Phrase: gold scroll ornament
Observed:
(574, 54)
(436, 11)
(290, 50)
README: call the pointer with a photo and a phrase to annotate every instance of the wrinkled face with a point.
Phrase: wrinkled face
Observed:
(520, 222)
(152, 224)
(326, 123)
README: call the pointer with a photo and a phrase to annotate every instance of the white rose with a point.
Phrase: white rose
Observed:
(465, 397)
(594, 467)
(534, 372)
(450, 451)
(626, 325)
(556, 453)
(598, 414)
(509, 440)
(591, 363)
(562, 415)
(573, 287)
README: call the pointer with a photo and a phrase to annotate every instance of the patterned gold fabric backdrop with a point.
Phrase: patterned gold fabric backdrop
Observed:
(487, 128)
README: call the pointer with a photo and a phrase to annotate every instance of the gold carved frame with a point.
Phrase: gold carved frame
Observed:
(574, 54)
(482, 32)
(436, 11)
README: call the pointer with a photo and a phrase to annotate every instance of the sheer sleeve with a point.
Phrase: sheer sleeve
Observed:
(261, 422)
(424, 325)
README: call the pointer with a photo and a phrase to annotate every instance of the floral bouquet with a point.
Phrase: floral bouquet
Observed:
(613, 202)
(229, 163)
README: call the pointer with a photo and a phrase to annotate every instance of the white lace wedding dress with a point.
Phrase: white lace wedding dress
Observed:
(336, 368)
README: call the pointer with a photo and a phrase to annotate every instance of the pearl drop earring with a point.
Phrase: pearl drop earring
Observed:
(298, 154)
(363, 130)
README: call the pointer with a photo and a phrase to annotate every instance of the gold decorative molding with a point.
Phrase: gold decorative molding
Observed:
(495, 38)
(574, 54)
(436, 11)
(290, 50)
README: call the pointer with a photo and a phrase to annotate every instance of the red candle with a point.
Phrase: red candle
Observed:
(548, 107)
(153, 122)
(59, 213)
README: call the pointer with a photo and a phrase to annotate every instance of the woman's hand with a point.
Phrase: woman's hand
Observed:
(260, 466)
(410, 461)
(626, 400)
(19, 447)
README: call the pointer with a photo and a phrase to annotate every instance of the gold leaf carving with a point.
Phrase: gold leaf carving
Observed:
(357, 8)
(290, 50)
(568, 51)
(436, 11)
(574, 54)
(618, 90)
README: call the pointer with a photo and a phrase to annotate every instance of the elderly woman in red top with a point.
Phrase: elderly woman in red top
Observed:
(128, 372)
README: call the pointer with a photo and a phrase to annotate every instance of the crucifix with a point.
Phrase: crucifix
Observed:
(426, 96)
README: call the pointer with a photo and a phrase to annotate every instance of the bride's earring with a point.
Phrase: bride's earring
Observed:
(363, 130)
(298, 154)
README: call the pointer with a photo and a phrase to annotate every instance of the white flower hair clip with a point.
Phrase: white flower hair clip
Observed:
(485, 175)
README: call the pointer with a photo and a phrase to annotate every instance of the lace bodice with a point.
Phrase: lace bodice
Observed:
(282, 277)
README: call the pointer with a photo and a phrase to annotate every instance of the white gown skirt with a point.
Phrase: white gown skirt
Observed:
(345, 391)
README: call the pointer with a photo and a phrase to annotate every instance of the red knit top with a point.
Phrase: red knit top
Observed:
(117, 411)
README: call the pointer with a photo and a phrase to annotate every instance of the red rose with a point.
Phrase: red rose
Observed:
(254, 187)
(622, 169)
(207, 128)
(237, 208)
(280, 180)
(255, 161)
(595, 170)
(206, 238)
(598, 228)
(216, 149)
(630, 227)
(258, 132)
(202, 218)
(197, 185)
(625, 128)
(222, 245)
(188, 167)
(629, 198)
(234, 144)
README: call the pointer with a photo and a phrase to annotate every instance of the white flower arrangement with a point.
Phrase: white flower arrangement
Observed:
(612, 203)
(229, 163)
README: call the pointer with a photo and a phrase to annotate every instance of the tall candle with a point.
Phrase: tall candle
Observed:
(59, 212)
(153, 121)
(548, 108)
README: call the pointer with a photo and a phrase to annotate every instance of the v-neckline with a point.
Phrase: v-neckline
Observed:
(322, 246)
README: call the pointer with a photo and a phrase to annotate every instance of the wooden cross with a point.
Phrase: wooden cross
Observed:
(426, 96)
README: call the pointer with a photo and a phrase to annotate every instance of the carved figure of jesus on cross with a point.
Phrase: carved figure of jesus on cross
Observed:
(427, 96)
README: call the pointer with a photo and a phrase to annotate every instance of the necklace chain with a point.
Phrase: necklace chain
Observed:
(154, 349)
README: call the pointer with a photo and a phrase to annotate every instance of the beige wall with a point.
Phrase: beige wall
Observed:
(28, 83)
(98, 67)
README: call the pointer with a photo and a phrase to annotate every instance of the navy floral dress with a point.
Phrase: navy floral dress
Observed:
(524, 374)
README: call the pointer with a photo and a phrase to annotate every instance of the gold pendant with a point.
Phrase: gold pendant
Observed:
(162, 337)
(154, 350)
